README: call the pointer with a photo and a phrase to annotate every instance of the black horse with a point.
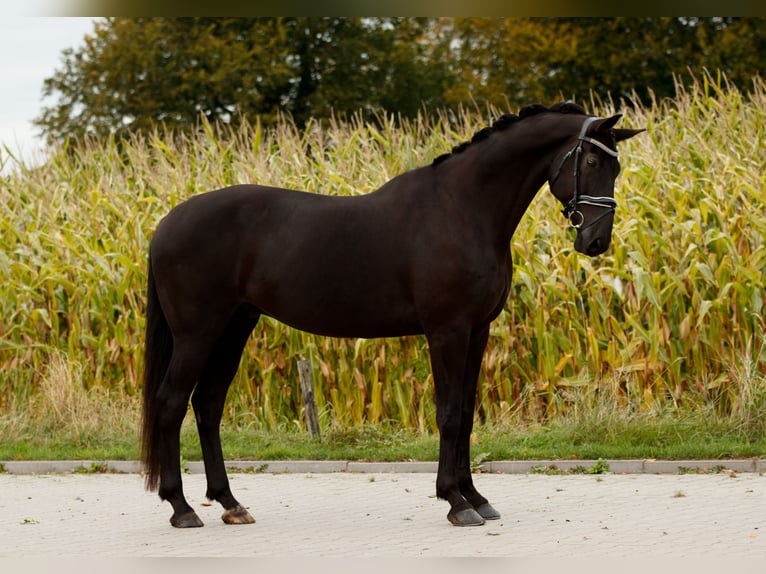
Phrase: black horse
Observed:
(427, 253)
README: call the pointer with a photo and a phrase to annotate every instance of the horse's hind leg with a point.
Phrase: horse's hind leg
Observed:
(173, 399)
(208, 402)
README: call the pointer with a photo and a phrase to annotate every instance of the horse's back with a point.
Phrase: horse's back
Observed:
(329, 265)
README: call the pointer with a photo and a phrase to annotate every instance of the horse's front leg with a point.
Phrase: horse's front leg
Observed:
(449, 357)
(476, 347)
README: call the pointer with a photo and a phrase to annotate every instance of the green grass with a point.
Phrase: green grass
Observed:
(598, 433)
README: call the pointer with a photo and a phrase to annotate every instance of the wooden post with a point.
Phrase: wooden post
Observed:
(309, 403)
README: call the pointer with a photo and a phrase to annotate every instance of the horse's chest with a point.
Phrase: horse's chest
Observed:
(489, 290)
(498, 293)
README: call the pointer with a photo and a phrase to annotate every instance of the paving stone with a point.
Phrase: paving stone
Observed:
(350, 514)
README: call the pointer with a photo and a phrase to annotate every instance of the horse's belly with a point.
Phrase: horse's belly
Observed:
(341, 305)
(341, 320)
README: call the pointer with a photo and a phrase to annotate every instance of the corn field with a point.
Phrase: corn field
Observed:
(672, 315)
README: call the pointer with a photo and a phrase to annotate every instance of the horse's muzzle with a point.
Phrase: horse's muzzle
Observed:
(590, 245)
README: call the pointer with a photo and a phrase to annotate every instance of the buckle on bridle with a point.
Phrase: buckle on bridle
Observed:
(573, 215)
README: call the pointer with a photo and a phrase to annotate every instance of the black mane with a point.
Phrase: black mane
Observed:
(506, 120)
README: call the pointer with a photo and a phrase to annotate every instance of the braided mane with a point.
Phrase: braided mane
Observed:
(507, 120)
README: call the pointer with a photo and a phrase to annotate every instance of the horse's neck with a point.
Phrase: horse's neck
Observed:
(500, 190)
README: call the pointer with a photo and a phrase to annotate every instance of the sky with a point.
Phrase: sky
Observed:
(30, 51)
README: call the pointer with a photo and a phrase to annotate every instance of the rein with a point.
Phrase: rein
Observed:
(571, 211)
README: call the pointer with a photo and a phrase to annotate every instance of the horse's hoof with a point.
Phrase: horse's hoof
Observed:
(465, 517)
(487, 512)
(237, 515)
(186, 520)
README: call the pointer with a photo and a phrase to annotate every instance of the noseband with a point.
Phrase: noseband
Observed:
(571, 211)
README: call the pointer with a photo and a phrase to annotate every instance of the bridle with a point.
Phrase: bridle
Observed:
(571, 211)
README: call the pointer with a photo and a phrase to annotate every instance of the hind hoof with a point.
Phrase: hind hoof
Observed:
(465, 517)
(487, 512)
(186, 520)
(237, 515)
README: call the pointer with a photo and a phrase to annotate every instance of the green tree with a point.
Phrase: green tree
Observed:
(522, 60)
(359, 64)
(620, 56)
(501, 61)
(134, 73)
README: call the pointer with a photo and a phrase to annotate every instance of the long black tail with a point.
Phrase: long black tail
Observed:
(158, 350)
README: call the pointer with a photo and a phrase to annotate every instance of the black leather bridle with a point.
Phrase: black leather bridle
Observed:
(571, 211)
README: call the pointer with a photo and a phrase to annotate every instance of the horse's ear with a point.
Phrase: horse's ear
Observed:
(606, 124)
(624, 134)
(619, 134)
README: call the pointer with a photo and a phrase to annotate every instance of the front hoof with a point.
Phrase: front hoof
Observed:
(487, 512)
(237, 515)
(465, 517)
(186, 520)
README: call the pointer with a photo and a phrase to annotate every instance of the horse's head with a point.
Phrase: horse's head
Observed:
(582, 178)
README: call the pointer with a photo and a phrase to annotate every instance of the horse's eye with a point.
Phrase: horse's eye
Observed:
(591, 161)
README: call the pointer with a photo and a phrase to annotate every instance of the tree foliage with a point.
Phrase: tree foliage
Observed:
(133, 73)
(541, 59)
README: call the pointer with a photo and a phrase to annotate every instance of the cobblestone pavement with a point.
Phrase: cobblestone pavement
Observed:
(342, 514)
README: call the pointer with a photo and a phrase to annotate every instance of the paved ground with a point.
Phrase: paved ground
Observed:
(346, 514)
